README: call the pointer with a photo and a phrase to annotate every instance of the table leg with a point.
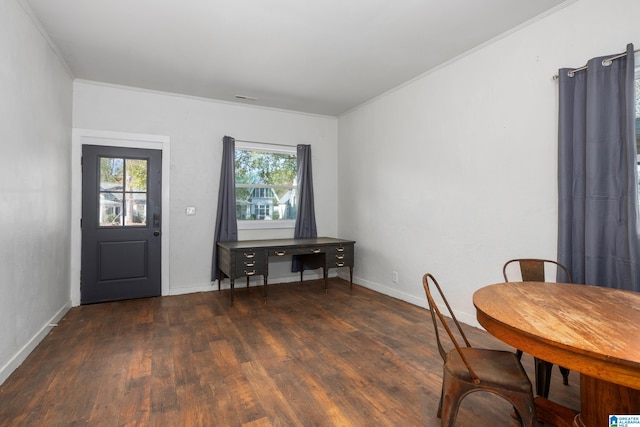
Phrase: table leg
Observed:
(599, 399)
(553, 413)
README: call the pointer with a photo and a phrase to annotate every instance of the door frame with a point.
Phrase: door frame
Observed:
(81, 137)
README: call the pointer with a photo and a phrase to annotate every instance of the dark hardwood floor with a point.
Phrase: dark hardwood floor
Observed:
(303, 359)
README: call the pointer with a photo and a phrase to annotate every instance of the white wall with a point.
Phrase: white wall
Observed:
(460, 165)
(195, 128)
(35, 143)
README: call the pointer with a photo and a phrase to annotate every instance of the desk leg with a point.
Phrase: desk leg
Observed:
(231, 291)
(350, 278)
(325, 272)
(265, 288)
(599, 399)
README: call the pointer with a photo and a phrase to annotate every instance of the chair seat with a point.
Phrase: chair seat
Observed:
(493, 367)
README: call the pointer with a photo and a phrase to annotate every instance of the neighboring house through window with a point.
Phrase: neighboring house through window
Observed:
(266, 176)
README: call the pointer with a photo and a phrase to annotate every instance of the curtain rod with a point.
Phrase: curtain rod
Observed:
(266, 143)
(605, 63)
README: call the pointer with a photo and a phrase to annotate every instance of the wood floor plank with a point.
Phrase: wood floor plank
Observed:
(269, 394)
(136, 401)
(305, 358)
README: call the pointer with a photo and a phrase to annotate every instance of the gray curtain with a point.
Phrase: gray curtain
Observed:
(306, 218)
(226, 223)
(598, 236)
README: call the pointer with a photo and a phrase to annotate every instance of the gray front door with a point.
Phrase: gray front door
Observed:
(121, 223)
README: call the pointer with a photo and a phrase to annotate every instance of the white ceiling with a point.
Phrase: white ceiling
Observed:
(315, 56)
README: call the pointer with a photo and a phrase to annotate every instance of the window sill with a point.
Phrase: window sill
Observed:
(266, 224)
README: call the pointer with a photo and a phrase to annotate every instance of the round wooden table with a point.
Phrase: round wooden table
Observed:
(588, 329)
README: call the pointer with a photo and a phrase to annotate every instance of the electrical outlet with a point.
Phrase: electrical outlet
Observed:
(394, 277)
(191, 210)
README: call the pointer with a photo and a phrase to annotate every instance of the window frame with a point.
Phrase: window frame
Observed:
(261, 224)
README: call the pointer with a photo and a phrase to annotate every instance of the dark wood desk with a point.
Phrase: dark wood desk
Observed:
(588, 329)
(251, 257)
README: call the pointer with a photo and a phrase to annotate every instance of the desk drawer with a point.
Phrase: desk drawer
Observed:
(340, 260)
(340, 256)
(249, 263)
(284, 251)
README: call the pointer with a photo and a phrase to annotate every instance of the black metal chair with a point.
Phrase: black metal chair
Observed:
(538, 270)
(467, 369)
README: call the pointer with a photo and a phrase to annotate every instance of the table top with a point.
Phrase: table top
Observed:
(268, 243)
(589, 329)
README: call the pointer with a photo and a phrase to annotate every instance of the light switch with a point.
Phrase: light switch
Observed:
(191, 210)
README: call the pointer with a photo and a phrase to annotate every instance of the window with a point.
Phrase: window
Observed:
(266, 195)
(123, 192)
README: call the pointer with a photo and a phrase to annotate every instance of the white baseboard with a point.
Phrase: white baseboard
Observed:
(469, 319)
(213, 286)
(22, 354)
(207, 287)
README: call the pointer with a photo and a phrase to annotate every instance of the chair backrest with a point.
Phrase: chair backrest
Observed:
(438, 319)
(535, 270)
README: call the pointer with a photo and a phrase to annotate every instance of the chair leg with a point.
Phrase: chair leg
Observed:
(565, 375)
(519, 354)
(525, 408)
(453, 390)
(450, 408)
(543, 377)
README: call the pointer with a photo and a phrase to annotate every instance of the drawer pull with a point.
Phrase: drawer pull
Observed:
(339, 264)
(280, 253)
(249, 273)
(249, 254)
(315, 251)
(250, 264)
(340, 249)
(341, 256)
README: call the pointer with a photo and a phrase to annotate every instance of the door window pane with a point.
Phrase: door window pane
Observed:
(123, 192)
(136, 209)
(110, 212)
(136, 175)
(111, 174)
